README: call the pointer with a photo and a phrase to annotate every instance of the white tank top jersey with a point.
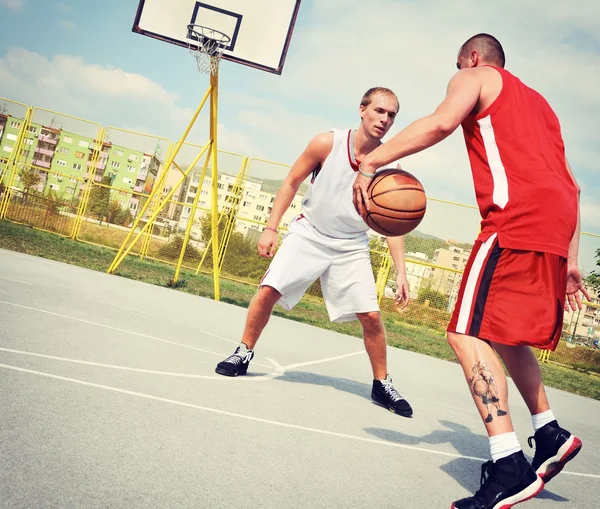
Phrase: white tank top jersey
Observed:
(328, 203)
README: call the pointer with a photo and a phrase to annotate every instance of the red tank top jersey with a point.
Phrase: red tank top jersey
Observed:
(523, 188)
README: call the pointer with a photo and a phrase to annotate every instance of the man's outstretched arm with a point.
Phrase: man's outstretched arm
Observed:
(461, 97)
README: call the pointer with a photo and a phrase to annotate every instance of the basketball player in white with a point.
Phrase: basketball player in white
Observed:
(329, 240)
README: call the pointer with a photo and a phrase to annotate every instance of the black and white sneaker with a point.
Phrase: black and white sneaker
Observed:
(506, 482)
(384, 394)
(554, 447)
(236, 364)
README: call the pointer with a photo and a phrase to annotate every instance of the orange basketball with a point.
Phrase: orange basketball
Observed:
(397, 203)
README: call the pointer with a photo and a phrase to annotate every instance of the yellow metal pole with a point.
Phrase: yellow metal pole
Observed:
(188, 229)
(214, 98)
(147, 225)
(236, 195)
(382, 275)
(87, 188)
(12, 163)
(120, 256)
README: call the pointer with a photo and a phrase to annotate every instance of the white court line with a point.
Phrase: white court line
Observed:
(257, 419)
(279, 370)
(320, 361)
(16, 280)
(123, 330)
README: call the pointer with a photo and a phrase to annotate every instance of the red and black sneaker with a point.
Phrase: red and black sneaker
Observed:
(504, 483)
(554, 447)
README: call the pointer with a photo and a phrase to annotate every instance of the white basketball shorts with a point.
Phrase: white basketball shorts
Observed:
(344, 266)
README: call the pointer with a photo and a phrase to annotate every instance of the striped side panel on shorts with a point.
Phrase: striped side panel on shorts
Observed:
(477, 287)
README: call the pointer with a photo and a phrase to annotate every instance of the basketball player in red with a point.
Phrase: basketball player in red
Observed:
(523, 263)
(329, 240)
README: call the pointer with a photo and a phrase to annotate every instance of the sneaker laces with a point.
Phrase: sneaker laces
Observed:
(490, 484)
(238, 357)
(390, 390)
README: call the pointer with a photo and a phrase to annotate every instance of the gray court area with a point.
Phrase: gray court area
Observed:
(108, 398)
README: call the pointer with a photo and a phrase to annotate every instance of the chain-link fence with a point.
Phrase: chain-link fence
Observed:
(105, 186)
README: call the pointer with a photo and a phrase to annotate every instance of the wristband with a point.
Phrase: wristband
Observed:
(269, 228)
(365, 174)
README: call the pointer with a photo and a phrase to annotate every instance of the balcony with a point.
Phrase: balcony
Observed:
(47, 139)
(43, 151)
(99, 165)
(138, 189)
(41, 163)
(97, 178)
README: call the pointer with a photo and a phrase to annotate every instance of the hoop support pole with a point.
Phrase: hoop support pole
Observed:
(214, 99)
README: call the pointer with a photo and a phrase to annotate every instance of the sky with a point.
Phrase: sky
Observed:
(81, 57)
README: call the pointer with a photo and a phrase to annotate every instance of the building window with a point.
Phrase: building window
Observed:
(11, 137)
(7, 148)
(28, 141)
(133, 157)
(16, 125)
(63, 150)
(32, 129)
(115, 164)
(118, 153)
(260, 208)
(60, 162)
(76, 166)
(79, 155)
(456, 258)
(130, 168)
(126, 180)
(67, 139)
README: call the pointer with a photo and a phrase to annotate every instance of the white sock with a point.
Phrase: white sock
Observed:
(504, 445)
(540, 420)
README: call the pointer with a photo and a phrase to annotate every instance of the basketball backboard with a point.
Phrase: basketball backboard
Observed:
(259, 30)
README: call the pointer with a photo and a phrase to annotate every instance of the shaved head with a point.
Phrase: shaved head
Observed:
(487, 47)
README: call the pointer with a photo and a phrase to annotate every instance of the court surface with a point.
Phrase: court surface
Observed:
(109, 398)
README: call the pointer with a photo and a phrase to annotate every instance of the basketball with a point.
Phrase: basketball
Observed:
(480, 387)
(397, 203)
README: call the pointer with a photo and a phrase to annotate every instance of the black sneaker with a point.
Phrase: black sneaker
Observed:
(504, 483)
(383, 393)
(236, 364)
(554, 447)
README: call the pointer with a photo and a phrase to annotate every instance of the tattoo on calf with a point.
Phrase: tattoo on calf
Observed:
(483, 385)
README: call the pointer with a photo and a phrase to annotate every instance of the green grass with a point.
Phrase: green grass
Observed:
(401, 333)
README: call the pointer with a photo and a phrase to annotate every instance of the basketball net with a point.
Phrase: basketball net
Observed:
(209, 48)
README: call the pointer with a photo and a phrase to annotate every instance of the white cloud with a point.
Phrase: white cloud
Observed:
(109, 96)
(68, 24)
(13, 5)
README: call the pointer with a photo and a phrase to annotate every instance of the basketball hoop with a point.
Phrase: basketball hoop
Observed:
(209, 48)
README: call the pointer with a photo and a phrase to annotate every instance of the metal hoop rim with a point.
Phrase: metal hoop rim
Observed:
(224, 41)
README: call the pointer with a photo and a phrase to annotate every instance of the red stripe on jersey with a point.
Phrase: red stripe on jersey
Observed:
(350, 159)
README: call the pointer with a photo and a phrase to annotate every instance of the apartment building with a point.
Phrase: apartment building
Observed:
(585, 323)
(417, 272)
(65, 161)
(255, 204)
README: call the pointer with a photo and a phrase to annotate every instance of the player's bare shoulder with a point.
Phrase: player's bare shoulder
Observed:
(320, 146)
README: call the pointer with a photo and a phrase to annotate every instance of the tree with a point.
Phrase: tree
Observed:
(30, 177)
(436, 299)
(206, 226)
(593, 279)
(100, 198)
(172, 249)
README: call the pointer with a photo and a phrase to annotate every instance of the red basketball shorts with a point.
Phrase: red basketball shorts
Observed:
(511, 297)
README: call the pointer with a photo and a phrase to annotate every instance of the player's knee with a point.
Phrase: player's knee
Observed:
(267, 295)
(371, 321)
